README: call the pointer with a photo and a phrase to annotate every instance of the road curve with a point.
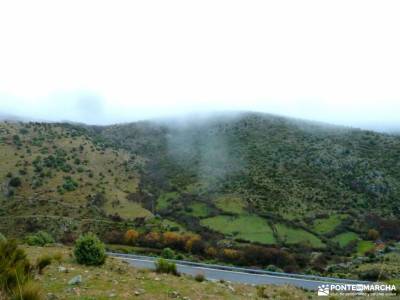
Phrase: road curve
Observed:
(238, 275)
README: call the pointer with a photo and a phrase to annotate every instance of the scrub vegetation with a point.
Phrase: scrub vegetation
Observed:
(317, 197)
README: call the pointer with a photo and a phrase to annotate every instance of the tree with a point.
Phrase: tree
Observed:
(152, 239)
(15, 182)
(373, 234)
(195, 245)
(231, 254)
(89, 250)
(131, 236)
(211, 252)
(173, 239)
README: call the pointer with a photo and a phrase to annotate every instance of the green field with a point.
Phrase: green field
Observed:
(345, 238)
(364, 246)
(246, 227)
(164, 200)
(294, 236)
(170, 225)
(231, 204)
(326, 225)
(199, 209)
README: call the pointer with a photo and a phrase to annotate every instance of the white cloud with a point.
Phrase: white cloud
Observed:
(336, 61)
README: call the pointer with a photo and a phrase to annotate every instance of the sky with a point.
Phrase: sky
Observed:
(103, 62)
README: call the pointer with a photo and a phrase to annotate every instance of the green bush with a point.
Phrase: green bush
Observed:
(40, 238)
(168, 253)
(42, 262)
(2, 238)
(199, 277)
(164, 266)
(15, 182)
(89, 250)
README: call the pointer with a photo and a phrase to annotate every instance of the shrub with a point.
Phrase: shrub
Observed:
(373, 234)
(164, 266)
(43, 262)
(15, 268)
(15, 181)
(2, 238)
(168, 253)
(89, 250)
(199, 277)
(373, 274)
(29, 291)
(58, 257)
(41, 238)
(273, 268)
(114, 237)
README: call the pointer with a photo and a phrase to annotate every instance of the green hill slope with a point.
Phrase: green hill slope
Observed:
(241, 177)
(287, 171)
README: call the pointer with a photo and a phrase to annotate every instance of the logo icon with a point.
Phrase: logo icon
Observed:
(323, 290)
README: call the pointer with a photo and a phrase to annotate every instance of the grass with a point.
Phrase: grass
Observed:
(364, 246)
(199, 209)
(165, 199)
(117, 280)
(294, 236)
(231, 204)
(326, 225)
(345, 238)
(246, 227)
(169, 225)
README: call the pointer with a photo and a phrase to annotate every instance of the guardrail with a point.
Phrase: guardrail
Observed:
(243, 270)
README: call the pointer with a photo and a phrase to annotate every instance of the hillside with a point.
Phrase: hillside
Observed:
(234, 179)
(308, 181)
(54, 171)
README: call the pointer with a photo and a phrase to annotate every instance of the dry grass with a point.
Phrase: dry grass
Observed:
(117, 280)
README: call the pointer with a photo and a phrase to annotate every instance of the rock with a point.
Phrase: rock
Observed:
(157, 279)
(75, 280)
(62, 269)
(51, 296)
(112, 295)
(139, 292)
(231, 288)
(174, 294)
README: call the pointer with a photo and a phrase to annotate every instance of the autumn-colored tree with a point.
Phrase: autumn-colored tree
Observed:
(231, 254)
(194, 244)
(152, 239)
(373, 234)
(211, 251)
(173, 240)
(131, 236)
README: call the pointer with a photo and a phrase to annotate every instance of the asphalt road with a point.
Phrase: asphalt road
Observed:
(238, 275)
